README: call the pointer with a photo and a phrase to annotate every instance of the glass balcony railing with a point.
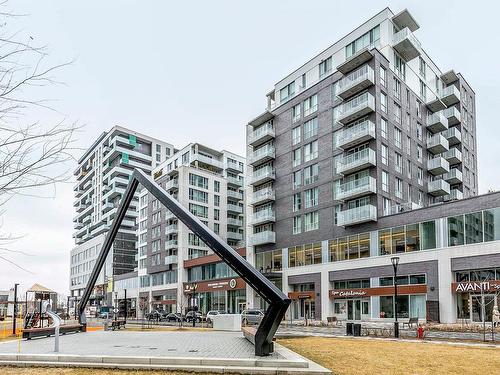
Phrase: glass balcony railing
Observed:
(438, 165)
(262, 238)
(263, 174)
(356, 188)
(438, 188)
(450, 95)
(234, 222)
(453, 135)
(357, 215)
(453, 155)
(355, 82)
(437, 144)
(437, 122)
(234, 181)
(355, 108)
(263, 216)
(263, 154)
(356, 161)
(453, 115)
(406, 44)
(263, 195)
(234, 208)
(356, 134)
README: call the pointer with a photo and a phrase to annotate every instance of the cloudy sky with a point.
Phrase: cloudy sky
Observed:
(199, 70)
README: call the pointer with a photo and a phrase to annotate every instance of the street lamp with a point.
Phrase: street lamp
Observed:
(116, 305)
(395, 262)
(193, 288)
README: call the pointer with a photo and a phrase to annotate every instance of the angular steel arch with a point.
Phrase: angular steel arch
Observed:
(278, 302)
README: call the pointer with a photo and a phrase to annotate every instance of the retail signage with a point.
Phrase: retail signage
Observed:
(208, 286)
(476, 286)
(301, 295)
(377, 291)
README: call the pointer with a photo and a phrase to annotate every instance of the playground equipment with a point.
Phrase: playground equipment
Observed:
(278, 302)
(56, 323)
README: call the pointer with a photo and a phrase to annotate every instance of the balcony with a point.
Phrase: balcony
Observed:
(234, 236)
(357, 215)
(450, 95)
(437, 122)
(234, 208)
(82, 206)
(262, 238)
(453, 135)
(234, 166)
(405, 43)
(355, 108)
(454, 176)
(356, 134)
(263, 216)
(356, 188)
(234, 222)
(78, 225)
(263, 155)
(438, 166)
(171, 229)
(171, 244)
(356, 60)
(263, 175)
(357, 161)
(172, 185)
(438, 188)
(355, 82)
(263, 196)
(437, 144)
(207, 160)
(453, 115)
(261, 135)
(454, 195)
(107, 206)
(171, 259)
(453, 156)
(235, 195)
(234, 181)
(169, 215)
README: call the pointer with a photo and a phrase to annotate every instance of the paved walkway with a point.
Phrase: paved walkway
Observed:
(139, 343)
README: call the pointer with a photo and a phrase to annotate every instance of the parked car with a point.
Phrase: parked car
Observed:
(194, 315)
(173, 317)
(212, 313)
(103, 315)
(154, 315)
(251, 316)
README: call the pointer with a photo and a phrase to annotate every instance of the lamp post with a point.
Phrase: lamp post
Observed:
(193, 288)
(116, 306)
(395, 262)
(14, 314)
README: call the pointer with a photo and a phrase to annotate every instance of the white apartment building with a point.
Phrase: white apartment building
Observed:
(102, 176)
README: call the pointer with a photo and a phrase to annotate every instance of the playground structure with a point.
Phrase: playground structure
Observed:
(262, 337)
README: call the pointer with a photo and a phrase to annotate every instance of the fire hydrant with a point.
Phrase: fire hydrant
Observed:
(420, 332)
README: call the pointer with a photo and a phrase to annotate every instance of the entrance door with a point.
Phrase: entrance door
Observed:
(354, 309)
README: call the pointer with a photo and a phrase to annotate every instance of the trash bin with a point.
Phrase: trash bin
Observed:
(349, 329)
(106, 325)
(357, 329)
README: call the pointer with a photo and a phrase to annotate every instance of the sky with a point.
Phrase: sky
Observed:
(198, 71)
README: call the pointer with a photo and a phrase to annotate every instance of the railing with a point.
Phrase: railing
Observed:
(354, 105)
(234, 208)
(170, 244)
(234, 222)
(265, 151)
(361, 157)
(354, 78)
(436, 140)
(171, 228)
(234, 165)
(453, 133)
(453, 174)
(172, 184)
(171, 259)
(234, 235)
(261, 173)
(235, 194)
(439, 185)
(453, 153)
(260, 238)
(361, 185)
(234, 181)
(208, 160)
(365, 128)
(357, 215)
(452, 112)
(437, 162)
(263, 194)
(266, 129)
(406, 34)
(264, 215)
(450, 90)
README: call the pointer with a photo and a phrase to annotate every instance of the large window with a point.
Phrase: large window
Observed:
(409, 306)
(407, 238)
(198, 181)
(304, 255)
(310, 128)
(268, 261)
(325, 66)
(198, 195)
(367, 39)
(311, 221)
(311, 105)
(311, 197)
(352, 247)
(198, 210)
(311, 174)
(310, 151)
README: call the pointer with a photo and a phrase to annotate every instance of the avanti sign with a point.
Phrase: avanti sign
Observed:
(476, 286)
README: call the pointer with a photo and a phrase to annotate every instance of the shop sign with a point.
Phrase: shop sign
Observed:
(207, 286)
(347, 293)
(301, 295)
(476, 286)
(378, 291)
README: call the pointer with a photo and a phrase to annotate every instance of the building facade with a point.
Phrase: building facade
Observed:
(210, 184)
(366, 131)
(102, 175)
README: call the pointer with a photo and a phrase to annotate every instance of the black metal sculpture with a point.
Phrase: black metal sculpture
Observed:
(278, 302)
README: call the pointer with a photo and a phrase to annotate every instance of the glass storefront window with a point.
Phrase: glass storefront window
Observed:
(492, 224)
(291, 257)
(428, 235)
(456, 230)
(412, 237)
(353, 251)
(398, 240)
(385, 241)
(474, 228)
(417, 306)
(364, 245)
(386, 307)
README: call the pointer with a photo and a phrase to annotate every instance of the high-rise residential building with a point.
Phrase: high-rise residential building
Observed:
(367, 129)
(102, 176)
(210, 184)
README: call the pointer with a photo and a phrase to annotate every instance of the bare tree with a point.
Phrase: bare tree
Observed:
(33, 155)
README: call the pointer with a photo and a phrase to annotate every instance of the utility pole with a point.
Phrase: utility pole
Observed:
(395, 263)
(14, 315)
(125, 290)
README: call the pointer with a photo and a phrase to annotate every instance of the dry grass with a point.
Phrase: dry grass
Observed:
(361, 356)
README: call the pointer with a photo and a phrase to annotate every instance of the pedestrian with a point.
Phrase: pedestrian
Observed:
(496, 317)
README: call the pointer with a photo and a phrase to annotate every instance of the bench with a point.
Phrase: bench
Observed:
(411, 322)
(117, 324)
(30, 333)
(249, 333)
(333, 319)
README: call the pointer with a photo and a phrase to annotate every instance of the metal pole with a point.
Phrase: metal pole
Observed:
(194, 305)
(67, 307)
(396, 324)
(125, 305)
(14, 315)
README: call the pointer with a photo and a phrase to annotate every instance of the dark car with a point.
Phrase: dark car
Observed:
(194, 315)
(251, 316)
(154, 315)
(173, 317)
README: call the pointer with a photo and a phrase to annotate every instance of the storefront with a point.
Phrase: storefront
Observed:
(228, 295)
(164, 300)
(476, 291)
(303, 302)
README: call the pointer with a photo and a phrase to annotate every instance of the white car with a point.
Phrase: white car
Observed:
(212, 313)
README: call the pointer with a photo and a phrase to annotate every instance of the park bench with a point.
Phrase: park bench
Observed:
(333, 319)
(411, 322)
(30, 333)
(249, 333)
(117, 324)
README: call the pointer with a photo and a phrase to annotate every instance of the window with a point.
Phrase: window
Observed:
(383, 75)
(419, 109)
(398, 135)
(216, 214)
(311, 221)
(296, 154)
(325, 66)
(398, 163)
(200, 211)
(185, 158)
(297, 224)
(296, 135)
(420, 176)
(296, 113)
(346, 248)
(383, 102)
(399, 188)
(419, 153)
(311, 151)
(311, 105)
(385, 181)
(397, 88)
(422, 67)
(287, 92)
(217, 186)
(397, 113)
(297, 179)
(297, 202)
(198, 181)
(423, 90)
(310, 128)
(408, 145)
(400, 66)
(155, 232)
(198, 195)
(155, 246)
(311, 197)
(216, 200)
(408, 169)
(367, 39)
(419, 131)
(383, 127)
(386, 205)
(384, 154)
(311, 174)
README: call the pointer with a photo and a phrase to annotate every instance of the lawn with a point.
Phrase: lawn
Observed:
(364, 356)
